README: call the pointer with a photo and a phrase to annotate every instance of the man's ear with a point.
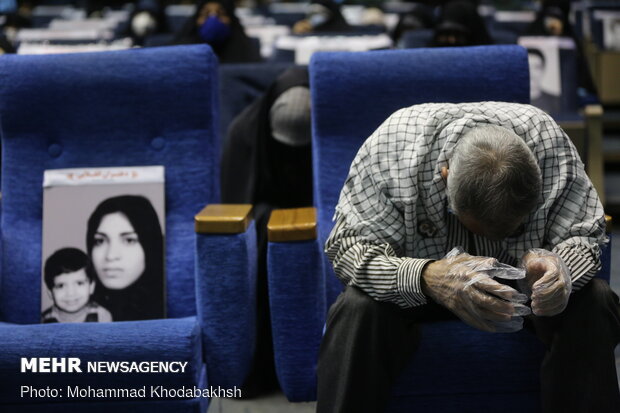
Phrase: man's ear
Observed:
(444, 172)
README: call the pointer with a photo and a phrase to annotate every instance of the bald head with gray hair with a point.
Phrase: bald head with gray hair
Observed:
(494, 181)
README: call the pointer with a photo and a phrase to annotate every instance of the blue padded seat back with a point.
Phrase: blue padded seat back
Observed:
(124, 108)
(353, 93)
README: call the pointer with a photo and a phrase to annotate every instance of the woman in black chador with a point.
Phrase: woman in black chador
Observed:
(323, 16)
(460, 25)
(266, 156)
(214, 22)
(125, 244)
(266, 162)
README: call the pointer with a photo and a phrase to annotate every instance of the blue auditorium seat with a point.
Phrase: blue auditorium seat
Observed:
(154, 106)
(457, 368)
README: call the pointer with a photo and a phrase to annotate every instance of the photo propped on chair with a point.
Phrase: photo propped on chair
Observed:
(103, 245)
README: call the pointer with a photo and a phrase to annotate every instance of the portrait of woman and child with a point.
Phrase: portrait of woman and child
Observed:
(120, 275)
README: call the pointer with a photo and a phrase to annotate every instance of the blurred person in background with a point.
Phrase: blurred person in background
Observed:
(96, 8)
(460, 25)
(266, 156)
(552, 20)
(323, 16)
(420, 18)
(148, 18)
(10, 23)
(266, 162)
(5, 45)
(216, 24)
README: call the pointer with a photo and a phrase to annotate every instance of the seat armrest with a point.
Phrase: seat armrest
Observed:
(226, 263)
(223, 219)
(297, 299)
(293, 224)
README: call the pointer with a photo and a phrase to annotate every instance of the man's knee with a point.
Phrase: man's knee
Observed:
(594, 309)
(596, 297)
(355, 304)
(358, 302)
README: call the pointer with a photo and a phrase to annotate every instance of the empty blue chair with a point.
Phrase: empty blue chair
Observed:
(128, 108)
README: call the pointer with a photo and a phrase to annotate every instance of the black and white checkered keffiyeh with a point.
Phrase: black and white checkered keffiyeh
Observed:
(391, 216)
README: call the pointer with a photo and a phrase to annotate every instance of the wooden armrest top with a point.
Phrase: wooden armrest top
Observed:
(608, 223)
(223, 219)
(293, 224)
(593, 110)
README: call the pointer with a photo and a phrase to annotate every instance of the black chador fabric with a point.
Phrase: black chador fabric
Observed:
(461, 18)
(336, 21)
(259, 170)
(556, 8)
(238, 48)
(256, 168)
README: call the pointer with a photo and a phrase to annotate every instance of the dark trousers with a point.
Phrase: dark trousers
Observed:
(368, 343)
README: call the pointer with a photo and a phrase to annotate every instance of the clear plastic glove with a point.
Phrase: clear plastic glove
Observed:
(549, 280)
(464, 284)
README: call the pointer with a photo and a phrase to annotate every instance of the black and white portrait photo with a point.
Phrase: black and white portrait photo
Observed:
(103, 245)
(545, 71)
(611, 32)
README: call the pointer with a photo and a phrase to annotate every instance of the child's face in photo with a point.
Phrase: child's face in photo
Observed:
(72, 291)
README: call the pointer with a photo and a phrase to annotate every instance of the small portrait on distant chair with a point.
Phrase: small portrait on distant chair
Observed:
(545, 88)
(70, 285)
(611, 34)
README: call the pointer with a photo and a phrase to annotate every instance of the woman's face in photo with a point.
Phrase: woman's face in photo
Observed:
(117, 255)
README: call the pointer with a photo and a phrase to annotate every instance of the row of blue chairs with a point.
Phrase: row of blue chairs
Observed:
(114, 109)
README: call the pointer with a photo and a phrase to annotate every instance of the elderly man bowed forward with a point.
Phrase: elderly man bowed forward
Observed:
(504, 183)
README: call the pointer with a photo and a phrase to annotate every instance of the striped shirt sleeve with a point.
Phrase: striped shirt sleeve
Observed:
(575, 222)
(582, 262)
(375, 268)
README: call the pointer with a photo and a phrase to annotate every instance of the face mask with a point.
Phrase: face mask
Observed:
(318, 15)
(318, 19)
(213, 31)
(142, 24)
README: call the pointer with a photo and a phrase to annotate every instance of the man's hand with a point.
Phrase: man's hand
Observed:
(549, 279)
(462, 284)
